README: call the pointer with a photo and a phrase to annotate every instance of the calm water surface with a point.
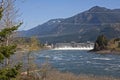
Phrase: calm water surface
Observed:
(81, 62)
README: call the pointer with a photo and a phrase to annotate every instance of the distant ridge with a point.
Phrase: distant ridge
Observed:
(85, 26)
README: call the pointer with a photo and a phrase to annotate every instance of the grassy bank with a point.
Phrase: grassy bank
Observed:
(56, 75)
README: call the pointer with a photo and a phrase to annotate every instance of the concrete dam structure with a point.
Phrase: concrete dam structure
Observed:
(74, 46)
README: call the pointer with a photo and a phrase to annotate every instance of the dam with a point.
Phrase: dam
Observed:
(74, 46)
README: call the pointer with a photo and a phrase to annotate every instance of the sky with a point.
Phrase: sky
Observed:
(36, 12)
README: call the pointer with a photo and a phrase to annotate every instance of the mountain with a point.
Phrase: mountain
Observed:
(85, 26)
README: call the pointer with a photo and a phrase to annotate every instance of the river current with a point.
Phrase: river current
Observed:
(81, 62)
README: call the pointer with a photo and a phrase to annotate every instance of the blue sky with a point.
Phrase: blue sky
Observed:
(36, 12)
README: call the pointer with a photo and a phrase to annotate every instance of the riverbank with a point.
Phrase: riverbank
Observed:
(106, 51)
(57, 75)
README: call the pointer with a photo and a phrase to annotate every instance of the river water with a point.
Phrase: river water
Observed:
(81, 62)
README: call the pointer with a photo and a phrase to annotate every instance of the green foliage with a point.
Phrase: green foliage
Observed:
(8, 31)
(8, 73)
(6, 51)
(101, 43)
(1, 57)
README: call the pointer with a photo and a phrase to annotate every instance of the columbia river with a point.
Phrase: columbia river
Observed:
(81, 62)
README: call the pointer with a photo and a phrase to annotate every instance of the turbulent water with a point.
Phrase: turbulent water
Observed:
(81, 62)
(74, 48)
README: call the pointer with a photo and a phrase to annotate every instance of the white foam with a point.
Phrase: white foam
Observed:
(74, 48)
(107, 69)
(47, 56)
(57, 58)
(88, 62)
(102, 58)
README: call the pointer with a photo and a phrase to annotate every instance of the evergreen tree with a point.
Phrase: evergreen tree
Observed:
(7, 73)
(101, 43)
